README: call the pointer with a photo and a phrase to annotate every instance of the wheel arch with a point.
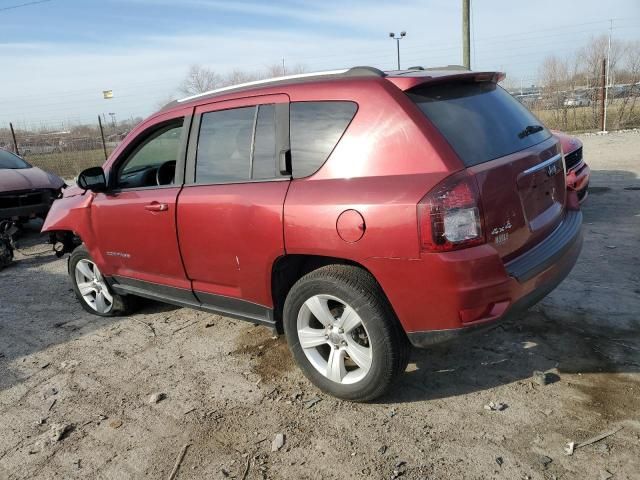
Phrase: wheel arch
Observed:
(288, 269)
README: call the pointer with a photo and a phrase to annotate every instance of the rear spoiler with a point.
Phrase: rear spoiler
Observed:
(405, 83)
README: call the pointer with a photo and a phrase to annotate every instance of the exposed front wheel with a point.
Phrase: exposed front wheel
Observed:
(91, 289)
(343, 334)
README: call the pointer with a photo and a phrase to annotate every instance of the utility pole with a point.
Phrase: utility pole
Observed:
(397, 39)
(603, 88)
(104, 145)
(13, 136)
(284, 70)
(606, 78)
(466, 43)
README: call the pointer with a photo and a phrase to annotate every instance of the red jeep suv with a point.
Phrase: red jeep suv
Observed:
(358, 211)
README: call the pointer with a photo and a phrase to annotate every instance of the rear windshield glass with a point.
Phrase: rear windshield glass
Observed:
(481, 121)
(9, 160)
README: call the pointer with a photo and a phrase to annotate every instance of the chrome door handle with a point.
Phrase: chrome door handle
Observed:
(157, 207)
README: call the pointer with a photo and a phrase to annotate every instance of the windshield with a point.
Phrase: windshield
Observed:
(481, 121)
(9, 160)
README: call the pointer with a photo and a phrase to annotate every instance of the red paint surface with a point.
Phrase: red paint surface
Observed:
(224, 239)
(350, 226)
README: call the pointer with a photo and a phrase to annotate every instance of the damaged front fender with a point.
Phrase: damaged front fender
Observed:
(73, 214)
(70, 214)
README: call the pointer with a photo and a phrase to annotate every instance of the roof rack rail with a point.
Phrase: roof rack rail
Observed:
(350, 72)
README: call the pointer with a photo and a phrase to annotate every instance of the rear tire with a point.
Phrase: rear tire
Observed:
(91, 289)
(343, 333)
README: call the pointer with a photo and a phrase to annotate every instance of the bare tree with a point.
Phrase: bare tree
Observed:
(199, 80)
(297, 69)
(591, 57)
(237, 76)
(630, 59)
(274, 70)
(280, 70)
(166, 101)
(594, 52)
(555, 77)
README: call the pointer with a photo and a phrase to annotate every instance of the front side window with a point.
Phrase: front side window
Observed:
(237, 145)
(153, 161)
(316, 128)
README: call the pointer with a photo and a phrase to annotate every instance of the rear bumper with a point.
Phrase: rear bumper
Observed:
(442, 296)
(425, 339)
(549, 251)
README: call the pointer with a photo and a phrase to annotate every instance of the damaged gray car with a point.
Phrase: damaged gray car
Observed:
(26, 191)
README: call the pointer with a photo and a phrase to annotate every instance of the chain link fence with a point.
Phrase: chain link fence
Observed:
(65, 152)
(579, 108)
(570, 108)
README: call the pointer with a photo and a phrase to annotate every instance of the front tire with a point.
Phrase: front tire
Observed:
(343, 333)
(91, 289)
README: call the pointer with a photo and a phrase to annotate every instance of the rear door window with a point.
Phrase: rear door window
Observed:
(237, 145)
(481, 121)
(264, 147)
(316, 128)
(224, 146)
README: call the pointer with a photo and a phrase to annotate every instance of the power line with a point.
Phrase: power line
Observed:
(13, 7)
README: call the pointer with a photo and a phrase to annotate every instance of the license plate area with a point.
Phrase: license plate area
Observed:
(542, 192)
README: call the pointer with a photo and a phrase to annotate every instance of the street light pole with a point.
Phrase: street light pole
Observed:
(397, 39)
(466, 45)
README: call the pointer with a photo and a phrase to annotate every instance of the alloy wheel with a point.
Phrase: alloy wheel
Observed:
(92, 286)
(334, 339)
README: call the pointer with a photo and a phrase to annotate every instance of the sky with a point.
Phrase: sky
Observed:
(57, 56)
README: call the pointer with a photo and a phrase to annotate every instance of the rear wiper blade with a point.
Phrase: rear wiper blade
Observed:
(530, 130)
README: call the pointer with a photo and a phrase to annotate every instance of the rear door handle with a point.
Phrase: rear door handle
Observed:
(157, 207)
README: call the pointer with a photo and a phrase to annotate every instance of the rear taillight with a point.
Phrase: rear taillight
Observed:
(449, 216)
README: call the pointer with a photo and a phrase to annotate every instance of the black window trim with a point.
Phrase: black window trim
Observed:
(141, 140)
(253, 139)
(282, 142)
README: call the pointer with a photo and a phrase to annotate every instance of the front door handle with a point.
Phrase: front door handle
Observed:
(157, 207)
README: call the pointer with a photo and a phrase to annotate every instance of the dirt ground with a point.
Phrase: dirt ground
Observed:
(75, 389)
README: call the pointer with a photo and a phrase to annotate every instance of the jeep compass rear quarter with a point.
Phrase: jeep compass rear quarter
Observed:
(358, 211)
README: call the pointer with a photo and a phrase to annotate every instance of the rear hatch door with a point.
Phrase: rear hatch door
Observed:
(515, 160)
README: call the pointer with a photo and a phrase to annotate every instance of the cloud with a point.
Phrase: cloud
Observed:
(146, 52)
(59, 81)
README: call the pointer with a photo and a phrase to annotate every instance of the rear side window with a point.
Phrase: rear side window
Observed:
(316, 128)
(237, 145)
(481, 121)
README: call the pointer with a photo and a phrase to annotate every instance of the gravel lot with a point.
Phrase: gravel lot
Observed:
(75, 389)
